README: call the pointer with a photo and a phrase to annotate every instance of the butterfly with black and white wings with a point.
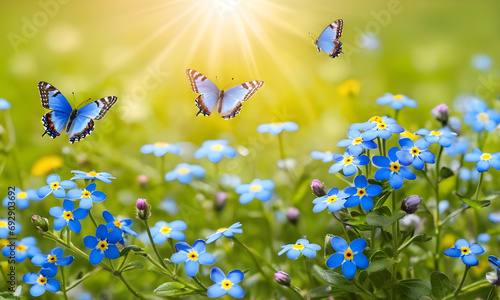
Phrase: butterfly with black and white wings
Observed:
(328, 40)
(78, 122)
(228, 102)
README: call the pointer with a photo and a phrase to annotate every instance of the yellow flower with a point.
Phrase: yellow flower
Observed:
(46, 164)
(349, 87)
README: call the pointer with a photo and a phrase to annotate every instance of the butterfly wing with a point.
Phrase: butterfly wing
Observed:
(82, 124)
(79, 127)
(98, 109)
(54, 121)
(230, 104)
(200, 84)
(328, 40)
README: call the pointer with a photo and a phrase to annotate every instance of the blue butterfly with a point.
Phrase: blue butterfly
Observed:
(328, 40)
(228, 102)
(79, 122)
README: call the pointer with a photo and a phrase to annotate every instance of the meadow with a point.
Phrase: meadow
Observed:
(372, 175)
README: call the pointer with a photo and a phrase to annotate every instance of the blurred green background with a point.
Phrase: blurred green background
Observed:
(139, 51)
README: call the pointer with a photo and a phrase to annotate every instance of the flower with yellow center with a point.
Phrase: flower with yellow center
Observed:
(260, 189)
(256, 188)
(357, 141)
(93, 175)
(52, 258)
(397, 102)
(486, 156)
(349, 162)
(392, 169)
(483, 117)
(350, 257)
(221, 230)
(184, 173)
(68, 215)
(465, 251)
(165, 229)
(215, 150)
(41, 280)
(362, 193)
(217, 147)
(192, 257)
(160, 149)
(225, 284)
(334, 201)
(301, 246)
(103, 244)
(56, 187)
(225, 231)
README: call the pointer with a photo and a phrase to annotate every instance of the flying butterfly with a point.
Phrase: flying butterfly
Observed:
(228, 101)
(78, 122)
(328, 40)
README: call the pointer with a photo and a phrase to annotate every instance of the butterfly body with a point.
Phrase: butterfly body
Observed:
(328, 41)
(228, 102)
(77, 123)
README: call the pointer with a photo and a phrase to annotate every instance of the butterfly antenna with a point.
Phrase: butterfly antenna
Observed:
(228, 83)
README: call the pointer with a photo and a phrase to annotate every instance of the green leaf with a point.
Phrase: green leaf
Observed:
(422, 238)
(413, 288)
(441, 285)
(339, 282)
(472, 203)
(446, 173)
(379, 279)
(12, 296)
(380, 217)
(133, 265)
(173, 289)
(359, 221)
(379, 261)
(127, 249)
(321, 292)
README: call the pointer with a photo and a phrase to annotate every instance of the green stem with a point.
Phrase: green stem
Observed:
(396, 114)
(296, 290)
(343, 227)
(372, 237)
(129, 287)
(153, 245)
(92, 218)
(491, 294)
(87, 275)
(384, 146)
(308, 270)
(63, 285)
(462, 282)
(453, 214)
(173, 277)
(437, 228)
(256, 262)
(363, 290)
(457, 179)
(199, 283)
(478, 189)
(123, 261)
(438, 161)
(282, 148)
(379, 143)
(395, 239)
